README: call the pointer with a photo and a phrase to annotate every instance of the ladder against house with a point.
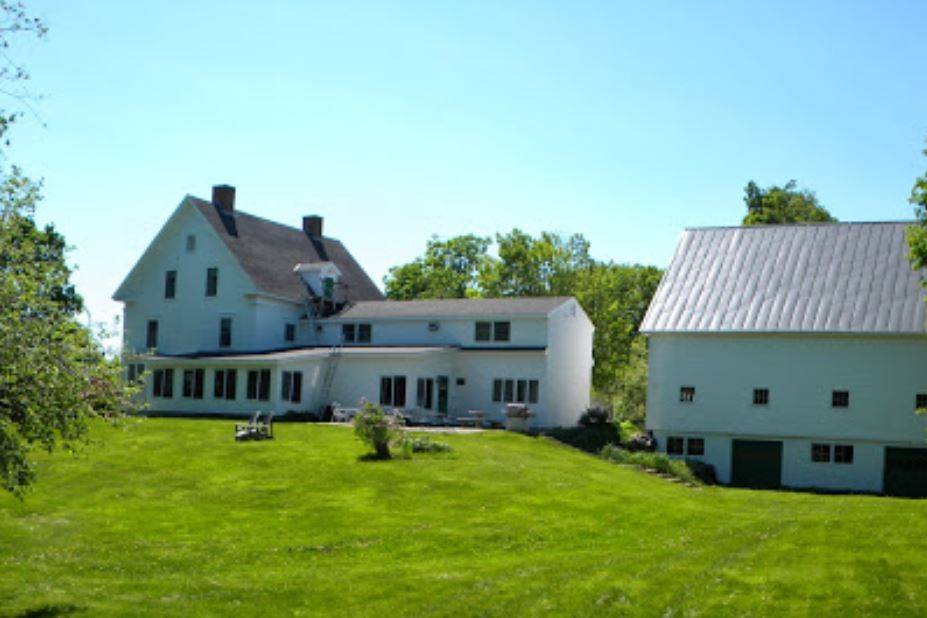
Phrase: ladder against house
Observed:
(328, 377)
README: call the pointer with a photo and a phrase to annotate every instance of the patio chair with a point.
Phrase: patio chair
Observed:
(248, 432)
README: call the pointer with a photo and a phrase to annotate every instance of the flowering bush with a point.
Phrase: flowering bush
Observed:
(378, 429)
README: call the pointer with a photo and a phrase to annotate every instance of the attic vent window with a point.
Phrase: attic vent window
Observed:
(191, 243)
(840, 399)
(433, 326)
(687, 394)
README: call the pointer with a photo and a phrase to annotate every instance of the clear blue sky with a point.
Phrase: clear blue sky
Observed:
(396, 121)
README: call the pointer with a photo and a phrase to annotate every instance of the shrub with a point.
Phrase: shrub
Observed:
(421, 444)
(589, 439)
(684, 470)
(595, 416)
(376, 428)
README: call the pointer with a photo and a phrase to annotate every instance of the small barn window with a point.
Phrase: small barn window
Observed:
(840, 399)
(761, 396)
(820, 453)
(920, 401)
(687, 394)
(674, 445)
(191, 243)
(843, 453)
(695, 446)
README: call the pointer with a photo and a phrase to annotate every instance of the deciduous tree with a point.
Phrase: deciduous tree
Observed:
(785, 204)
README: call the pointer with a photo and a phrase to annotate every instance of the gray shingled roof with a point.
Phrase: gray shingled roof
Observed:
(828, 278)
(268, 252)
(454, 308)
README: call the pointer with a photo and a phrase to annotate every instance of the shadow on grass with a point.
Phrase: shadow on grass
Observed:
(46, 611)
(374, 457)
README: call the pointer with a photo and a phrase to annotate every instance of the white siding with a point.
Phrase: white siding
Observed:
(190, 321)
(882, 375)
(569, 364)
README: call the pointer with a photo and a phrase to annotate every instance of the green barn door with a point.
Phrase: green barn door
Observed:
(756, 463)
(905, 472)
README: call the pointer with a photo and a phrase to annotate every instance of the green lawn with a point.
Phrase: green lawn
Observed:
(171, 517)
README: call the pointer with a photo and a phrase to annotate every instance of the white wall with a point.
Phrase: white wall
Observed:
(569, 364)
(398, 331)
(190, 321)
(882, 374)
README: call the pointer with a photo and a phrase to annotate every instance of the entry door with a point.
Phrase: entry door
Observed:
(905, 472)
(442, 394)
(756, 463)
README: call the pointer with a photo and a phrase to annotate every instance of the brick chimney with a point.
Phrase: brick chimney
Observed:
(223, 196)
(312, 225)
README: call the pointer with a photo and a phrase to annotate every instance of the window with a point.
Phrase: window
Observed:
(191, 243)
(495, 331)
(134, 372)
(393, 391)
(920, 401)
(843, 453)
(223, 386)
(820, 453)
(501, 330)
(515, 391)
(695, 446)
(509, 391)
(225, 332)
(193, 383)
(163, 383)
(674, 445)
(840, 399)
(151, 341)
(687, 394)
(170, 284)
(364, 332)
(291, 386)
(424, 393)
(212, 281)
(259, 384)
(328, 288)
(347, 333)
(761, 396)
(461, 381)
(289, 332)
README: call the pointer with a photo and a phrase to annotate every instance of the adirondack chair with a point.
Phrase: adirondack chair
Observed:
(246, 432)
(266, 428)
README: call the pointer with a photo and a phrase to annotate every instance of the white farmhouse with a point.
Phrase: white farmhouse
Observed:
(793, 355)
(228, 313)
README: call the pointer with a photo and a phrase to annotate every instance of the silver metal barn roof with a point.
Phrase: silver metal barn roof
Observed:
(827, 278)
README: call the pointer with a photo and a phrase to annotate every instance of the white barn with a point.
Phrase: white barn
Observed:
(229, 313)
(793, 356)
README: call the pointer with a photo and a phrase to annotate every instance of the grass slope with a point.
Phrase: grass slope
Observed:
(171, 517)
